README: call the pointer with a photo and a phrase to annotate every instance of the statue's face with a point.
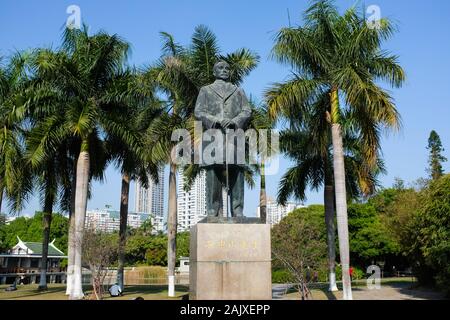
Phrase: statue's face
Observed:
(222, 71)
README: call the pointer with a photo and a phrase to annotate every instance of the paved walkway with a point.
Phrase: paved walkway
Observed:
(397, 291)
(389, 291)
(278, 291)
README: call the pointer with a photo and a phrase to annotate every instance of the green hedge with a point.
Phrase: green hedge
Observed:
(358, 273)
(282, 276)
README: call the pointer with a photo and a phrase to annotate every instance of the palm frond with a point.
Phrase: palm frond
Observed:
(241, 62)
(169, 46)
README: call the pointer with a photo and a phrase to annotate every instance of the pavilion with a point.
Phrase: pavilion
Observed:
(24, 260)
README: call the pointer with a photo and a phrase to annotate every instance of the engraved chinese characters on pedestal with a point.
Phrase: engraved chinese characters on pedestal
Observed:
(245, 248)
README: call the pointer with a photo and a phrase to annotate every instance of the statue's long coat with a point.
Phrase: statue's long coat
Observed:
(222, 100)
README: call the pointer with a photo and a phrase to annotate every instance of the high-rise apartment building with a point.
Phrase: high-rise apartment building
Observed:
(151, 200)
(276, 212)
(191, 204)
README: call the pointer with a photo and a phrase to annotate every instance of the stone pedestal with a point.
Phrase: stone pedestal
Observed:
(230, 262)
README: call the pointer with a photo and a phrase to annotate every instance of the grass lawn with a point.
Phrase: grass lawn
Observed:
(57, 292)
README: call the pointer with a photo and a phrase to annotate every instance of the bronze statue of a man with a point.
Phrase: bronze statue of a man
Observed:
(222, 105)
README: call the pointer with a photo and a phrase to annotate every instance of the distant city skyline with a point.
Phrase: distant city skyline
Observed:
(108, 220)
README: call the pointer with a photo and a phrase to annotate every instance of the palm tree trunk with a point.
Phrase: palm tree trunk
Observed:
(331, 235)
(263, 196)
(70, 253)
(328, 196)
(341, 195)
(71, 239)
(47, 220)
(124, 196)
(1, 194)
(81, 193)
(172, 230)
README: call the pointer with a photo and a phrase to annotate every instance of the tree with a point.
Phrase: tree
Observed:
(261, 120)
(15, 180)
(146, 228)
(340, 56)
(156, 253)
(3, 246)
(31, 229)
(50, 189)
(436, 158)
(370, 240)
(51, 174)
(18, 121)
(430, 234)
(179, 73)
(396, 209)
(148, 249)
(183, 244)
(79, 95)
(16, 173)
(134, 161)
(310, 149)
(136, 248)
(99, 252)
(308, 143)
(399, 184)
(298, 242)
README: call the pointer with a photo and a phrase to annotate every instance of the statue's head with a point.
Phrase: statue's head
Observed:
(221, 70)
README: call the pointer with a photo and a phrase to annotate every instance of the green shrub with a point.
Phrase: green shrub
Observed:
(282, 276)
(358, 273)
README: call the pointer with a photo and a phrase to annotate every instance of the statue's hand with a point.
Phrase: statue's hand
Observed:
(232, 125)
(215, 123)
(225, 123)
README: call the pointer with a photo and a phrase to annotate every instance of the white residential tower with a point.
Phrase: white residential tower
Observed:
(151, 200)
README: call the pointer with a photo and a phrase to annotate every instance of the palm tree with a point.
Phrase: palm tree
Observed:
(14, 175)
(180, 73)
(48, 182)
(18, 176)
(52, 170)
(19, 130)
(167, 81)
(3, 89)
(261, 120)
(79, 93)
(135, 161)
(340, 55)
(308, 144)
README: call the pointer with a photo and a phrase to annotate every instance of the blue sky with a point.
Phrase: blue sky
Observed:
(422, 44)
